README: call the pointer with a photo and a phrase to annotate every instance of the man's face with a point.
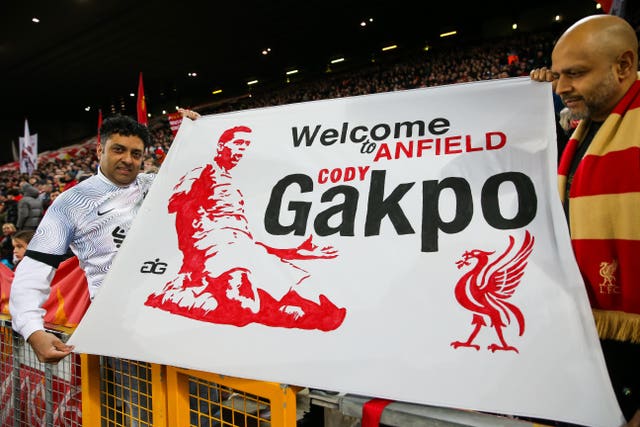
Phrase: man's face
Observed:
(230, 153)
(121, 158)
(586, 82)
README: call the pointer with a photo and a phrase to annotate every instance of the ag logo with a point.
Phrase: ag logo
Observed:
(155, 267)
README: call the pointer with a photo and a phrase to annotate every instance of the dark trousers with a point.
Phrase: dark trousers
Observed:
(623, 364)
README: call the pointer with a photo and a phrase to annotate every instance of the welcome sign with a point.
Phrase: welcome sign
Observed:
(406, 245)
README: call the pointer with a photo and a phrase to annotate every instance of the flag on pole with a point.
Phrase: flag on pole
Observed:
(99, 124)
(28, 150)
(142, 104)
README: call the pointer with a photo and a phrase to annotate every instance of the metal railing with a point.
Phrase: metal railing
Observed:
(34, 393)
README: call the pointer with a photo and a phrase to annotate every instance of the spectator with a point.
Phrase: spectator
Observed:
(159, 154)
(150, 164)
(11, 205)
(6, 246)
(82, 219)
(69, 180)
(45, 194)
(595, 72)
(53, 196)
(3, 210)
(30, 209)
(540, 59)
(20, 242)
(81, 176)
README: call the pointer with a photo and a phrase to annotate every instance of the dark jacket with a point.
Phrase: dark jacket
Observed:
(11, 208)
(6, 248)
(30, 208)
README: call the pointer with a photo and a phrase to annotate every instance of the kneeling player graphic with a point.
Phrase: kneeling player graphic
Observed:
(227, 276)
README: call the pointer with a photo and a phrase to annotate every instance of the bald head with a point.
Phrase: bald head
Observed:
(602, 33)
(594, 63)
(605, 37)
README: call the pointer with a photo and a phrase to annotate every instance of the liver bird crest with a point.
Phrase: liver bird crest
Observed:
(486, 288)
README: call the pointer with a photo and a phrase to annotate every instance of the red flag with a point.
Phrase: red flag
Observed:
(142, 104)
(613, 7)
(606, 4)
(99, 123)
(69, 298)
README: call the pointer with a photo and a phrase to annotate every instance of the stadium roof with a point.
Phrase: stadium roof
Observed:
(88, 53)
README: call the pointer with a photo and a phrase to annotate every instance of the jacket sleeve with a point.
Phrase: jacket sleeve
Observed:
(29, 291)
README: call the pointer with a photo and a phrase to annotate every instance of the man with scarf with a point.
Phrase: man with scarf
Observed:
(595, 72)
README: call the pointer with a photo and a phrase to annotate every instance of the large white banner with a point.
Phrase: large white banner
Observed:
(407, 245)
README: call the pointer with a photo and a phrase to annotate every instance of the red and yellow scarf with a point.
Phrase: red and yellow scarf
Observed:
(604, 217)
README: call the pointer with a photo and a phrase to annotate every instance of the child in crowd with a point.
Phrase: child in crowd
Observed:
(20, 241)
(6, 247)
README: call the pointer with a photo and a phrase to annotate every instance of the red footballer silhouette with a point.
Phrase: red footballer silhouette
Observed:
(227, 276)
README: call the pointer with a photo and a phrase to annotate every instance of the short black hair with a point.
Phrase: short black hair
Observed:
(125, 126)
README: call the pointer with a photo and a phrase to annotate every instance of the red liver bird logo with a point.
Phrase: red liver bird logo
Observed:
(487, 287)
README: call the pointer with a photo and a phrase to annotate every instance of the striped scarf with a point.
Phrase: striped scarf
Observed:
(604, 217)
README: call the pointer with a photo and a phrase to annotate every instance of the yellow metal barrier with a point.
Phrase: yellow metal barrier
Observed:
(206, 399)
(119, 392)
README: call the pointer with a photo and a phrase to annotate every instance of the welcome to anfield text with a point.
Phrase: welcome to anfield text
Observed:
(411, 140)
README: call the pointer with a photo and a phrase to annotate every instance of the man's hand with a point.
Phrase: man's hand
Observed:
(48, 347)
(190, 114)
(544, 75)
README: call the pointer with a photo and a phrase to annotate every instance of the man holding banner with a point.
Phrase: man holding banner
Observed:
(92, 219)
(595, 72)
